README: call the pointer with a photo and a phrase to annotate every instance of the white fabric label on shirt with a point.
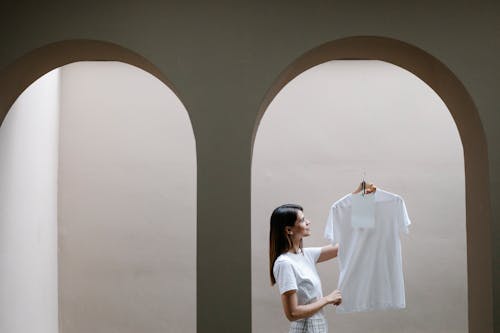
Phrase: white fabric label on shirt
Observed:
(363, 211)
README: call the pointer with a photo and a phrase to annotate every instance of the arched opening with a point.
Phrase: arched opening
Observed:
(15, 78)
(462, 109)
(326, 128)
(126, 201)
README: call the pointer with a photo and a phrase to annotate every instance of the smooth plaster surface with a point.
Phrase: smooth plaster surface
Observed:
(127, 203)
(222, 59)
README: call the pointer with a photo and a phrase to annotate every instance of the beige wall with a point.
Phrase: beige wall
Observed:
(126, 203)
(28, 210)
(319, 135)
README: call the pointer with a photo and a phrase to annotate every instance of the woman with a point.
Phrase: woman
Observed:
(293, 269)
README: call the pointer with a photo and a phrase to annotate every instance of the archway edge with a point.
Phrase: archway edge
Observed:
(19, 75)
(466, 116)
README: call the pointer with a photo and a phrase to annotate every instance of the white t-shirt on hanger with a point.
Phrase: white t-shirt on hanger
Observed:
(371, 272)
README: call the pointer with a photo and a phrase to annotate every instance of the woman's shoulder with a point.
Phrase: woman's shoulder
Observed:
(283, 262)
(311, 249)
(313, 253)
(282, 258)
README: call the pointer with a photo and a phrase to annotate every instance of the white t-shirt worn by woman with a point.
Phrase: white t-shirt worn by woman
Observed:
(297, 271)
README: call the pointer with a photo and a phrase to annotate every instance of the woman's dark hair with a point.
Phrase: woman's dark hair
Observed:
(279, 240)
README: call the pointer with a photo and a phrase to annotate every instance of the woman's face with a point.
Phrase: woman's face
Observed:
(302, 226)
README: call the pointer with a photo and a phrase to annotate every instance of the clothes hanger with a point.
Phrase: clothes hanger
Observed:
(364, 187)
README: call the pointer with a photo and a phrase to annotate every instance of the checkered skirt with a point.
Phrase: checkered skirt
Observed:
(309, 325)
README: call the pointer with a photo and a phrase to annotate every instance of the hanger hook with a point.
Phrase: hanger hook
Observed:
(363, 183)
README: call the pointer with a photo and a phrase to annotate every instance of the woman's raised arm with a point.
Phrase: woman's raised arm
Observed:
(328, 252)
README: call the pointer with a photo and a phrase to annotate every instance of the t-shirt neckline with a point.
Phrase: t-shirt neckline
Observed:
(366, 194)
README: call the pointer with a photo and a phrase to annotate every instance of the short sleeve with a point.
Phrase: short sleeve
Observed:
(285, 276)
(312, 253)
(329, 230)
(403, 219)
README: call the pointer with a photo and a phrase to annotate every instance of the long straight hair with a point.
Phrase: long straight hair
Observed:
(279, 240)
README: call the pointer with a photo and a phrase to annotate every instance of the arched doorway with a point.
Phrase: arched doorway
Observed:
(465, 115)
(94, 255)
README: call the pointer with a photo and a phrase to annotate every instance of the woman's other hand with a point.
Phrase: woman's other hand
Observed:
(334, 298)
